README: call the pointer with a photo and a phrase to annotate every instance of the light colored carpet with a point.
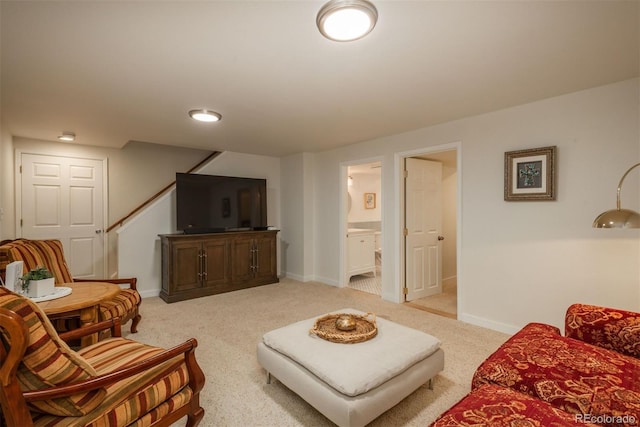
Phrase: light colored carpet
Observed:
(228, 327)
(445, 303)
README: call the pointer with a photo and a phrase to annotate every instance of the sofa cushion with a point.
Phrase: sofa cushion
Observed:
(354, 369)
(569, 374)
(53, 254)
(495, 406)
(122, 305)
(48, 361)
(131, 399)
(610, 328)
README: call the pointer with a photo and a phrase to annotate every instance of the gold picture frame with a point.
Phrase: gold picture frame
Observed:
(369, 200)
(529, 175)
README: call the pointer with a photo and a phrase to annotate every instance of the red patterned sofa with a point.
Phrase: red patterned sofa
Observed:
(592, 374)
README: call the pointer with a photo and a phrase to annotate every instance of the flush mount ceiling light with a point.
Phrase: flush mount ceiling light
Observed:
(346, 20)
(67, 136)
(204, 115)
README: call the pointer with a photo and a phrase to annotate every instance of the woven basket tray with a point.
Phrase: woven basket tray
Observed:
(325, 328)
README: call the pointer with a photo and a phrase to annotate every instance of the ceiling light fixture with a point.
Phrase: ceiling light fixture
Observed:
(204, 115)
(346, 20)
(618, 217)
(67, 136)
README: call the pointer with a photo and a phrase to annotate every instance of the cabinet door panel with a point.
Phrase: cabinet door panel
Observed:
(186, 264)
(361, 254)
(242, 259)
(216, 264)
(266, 260)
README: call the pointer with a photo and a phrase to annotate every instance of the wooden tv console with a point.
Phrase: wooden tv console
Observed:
(196, 265)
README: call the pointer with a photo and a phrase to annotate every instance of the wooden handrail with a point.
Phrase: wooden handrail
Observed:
(160, 193)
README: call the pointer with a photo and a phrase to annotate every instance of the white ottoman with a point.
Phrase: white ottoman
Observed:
(351, 384)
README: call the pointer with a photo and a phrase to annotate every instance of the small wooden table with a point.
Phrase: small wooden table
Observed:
(82, 302)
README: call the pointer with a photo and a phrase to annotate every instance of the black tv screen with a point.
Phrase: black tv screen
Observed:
(214, 203)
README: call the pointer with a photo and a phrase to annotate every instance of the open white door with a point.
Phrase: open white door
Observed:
(62, 198)
(423, 222)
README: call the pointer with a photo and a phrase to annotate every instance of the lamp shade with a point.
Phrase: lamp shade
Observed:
(618, 218)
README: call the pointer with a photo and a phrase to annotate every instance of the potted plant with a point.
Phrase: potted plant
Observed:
(38, 282)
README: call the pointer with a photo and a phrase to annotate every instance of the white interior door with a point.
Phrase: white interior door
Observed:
(423, 223)
(63, 198)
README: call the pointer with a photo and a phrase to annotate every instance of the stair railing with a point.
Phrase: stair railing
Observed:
(159, 193)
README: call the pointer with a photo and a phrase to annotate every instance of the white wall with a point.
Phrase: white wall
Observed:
(139, 251)
(449, 219)
(3, 138)
(520, 261)
(7, 227)
(364, 183)
(296, 237)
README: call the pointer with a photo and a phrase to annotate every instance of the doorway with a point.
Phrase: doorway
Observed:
(64, 198)
(431, 248)
(364, 227)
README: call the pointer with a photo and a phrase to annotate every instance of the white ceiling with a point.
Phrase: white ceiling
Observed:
(116, 71)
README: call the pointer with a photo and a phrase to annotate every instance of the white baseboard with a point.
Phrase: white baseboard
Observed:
(489, 324)
(297, 277)
(150, 293)
(326, 281)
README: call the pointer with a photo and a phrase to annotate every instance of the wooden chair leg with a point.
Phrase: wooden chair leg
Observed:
(194, 418)
(134, 323)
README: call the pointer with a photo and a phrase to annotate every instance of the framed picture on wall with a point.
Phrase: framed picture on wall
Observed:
(530, 174)
(369, 200)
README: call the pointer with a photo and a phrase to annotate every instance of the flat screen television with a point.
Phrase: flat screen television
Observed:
(214, 203)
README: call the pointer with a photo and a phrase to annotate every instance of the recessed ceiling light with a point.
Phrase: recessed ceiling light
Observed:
(67, 136)
(346, 20)
(204, 115)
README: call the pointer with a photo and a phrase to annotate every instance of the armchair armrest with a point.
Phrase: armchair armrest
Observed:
(131, 281)
(187, 348)
(112, 324)
(610, 328)
(15, 326)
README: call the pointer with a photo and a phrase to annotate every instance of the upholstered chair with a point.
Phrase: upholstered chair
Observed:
(115, 382)
(49, 253)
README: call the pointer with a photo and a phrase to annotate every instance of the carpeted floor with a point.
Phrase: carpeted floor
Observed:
(444, 304)
(228, 327)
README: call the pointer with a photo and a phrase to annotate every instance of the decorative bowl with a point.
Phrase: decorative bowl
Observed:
(345, 322)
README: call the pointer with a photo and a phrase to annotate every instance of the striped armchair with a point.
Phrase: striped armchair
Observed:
(115, 382)
(49, 253)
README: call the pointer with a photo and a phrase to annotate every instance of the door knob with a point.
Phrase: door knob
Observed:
(440, 237)
(98, 231)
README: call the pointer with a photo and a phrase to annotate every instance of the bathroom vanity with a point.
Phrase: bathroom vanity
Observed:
(361, 251)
